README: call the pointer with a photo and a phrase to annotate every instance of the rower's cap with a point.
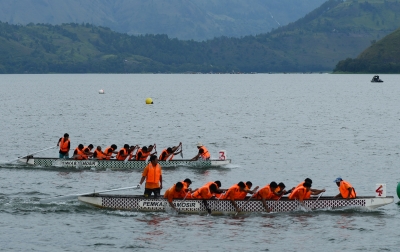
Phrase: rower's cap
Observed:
(199, 144)
(337, 180)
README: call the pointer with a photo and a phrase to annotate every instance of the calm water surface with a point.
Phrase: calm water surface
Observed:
(273, 127)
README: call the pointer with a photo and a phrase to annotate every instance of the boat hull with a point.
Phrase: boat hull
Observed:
(116, 164)
(139, 203)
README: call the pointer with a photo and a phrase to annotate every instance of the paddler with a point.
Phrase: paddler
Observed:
(267, 193)
(87, 150)
(242, 195)
(186, 187)
(123, 153)
(145, 152)
(312, 191)
(170, 152)
(203, 153)
(132, 149)
(99, 154)
(65, 146)
(175, 192)
(346, 190)
(234, 191)
(110, 150)
(205, 192)
(280, 191)
(304, 192)
(153, 176)
(79, 154)
(219, 194)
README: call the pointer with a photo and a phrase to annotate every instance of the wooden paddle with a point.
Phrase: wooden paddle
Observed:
(72, 196)
(206, 205)
(315, 202)
(30, 154)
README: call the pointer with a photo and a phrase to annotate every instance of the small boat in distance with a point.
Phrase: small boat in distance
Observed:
(376, 79)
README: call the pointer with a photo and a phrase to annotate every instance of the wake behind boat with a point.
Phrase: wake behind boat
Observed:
(142, 204)
(116, 164)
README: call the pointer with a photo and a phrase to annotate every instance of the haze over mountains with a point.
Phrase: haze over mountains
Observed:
(183, 19)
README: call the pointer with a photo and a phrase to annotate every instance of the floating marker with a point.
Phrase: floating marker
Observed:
(149, 101)
(101, 91)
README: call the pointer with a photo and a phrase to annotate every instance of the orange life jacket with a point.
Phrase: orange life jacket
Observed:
(233, 190)
(202, 193)
(165, 153)
(274, 196)
(298, 190)
(308, 194)
(108, 151)
(241, 195)
(64, 145)
(344, 191)
(123, 156)
(205, 155)
(153, 173)
(99, 154)
(143, 155)
(264, 192)
(79, 154)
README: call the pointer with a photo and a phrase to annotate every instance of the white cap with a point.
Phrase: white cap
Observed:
(199, 144)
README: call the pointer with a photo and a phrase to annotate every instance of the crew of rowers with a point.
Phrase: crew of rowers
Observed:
(125, 154)
(239, 191)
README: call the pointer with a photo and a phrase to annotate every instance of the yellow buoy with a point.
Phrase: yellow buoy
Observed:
(149, 101)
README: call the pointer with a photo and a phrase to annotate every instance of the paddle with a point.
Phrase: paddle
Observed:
(206, 205)
(127, 157)
(181, 151)
(71, 196)
(31, 154)
(315, 202)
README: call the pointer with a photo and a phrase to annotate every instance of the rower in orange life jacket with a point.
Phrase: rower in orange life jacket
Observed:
(110, 150)
(123, 153)
(312, 191)
(78, 153)
(205, 192)
(175, 192)
(280, 191)
(186, 188)
(99, 154)
(242, 195)
(65, 146)
(170, 152)
(346, 190)
(144, 152)
(234, 191)
(266, 193)
(203, 152)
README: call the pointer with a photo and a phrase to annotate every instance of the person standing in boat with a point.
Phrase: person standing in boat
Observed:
(346, 190)
(152, 173)
(203, 153)
(65, 146)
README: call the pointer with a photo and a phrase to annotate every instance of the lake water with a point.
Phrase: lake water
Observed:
(281, 127)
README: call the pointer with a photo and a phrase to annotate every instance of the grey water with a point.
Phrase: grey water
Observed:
(274, 127)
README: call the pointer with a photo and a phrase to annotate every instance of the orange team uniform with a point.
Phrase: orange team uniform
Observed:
(171, 194)
(264, 193)
(64, 145)
(344, 190)
(153, 175)
(242, 195)
(299, 193)
(143, 156)
(217, 195)
(202, 193)
(233, 193)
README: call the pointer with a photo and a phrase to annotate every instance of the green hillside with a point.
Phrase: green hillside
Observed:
(334, 31)
(381, 57)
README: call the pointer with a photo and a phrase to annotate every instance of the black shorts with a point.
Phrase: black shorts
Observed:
(148, 192)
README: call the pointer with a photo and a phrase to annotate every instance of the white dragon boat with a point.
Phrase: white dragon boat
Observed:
(142, 204)
(116, 164)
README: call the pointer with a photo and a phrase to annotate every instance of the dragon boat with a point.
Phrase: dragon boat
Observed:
(142, 204)
(116, 164)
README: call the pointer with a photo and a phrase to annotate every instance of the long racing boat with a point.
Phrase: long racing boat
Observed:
(142, 204)
(116, 164)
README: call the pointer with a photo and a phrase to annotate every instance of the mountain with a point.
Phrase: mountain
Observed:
(183, 19)
(334, 31)
(381, 57)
